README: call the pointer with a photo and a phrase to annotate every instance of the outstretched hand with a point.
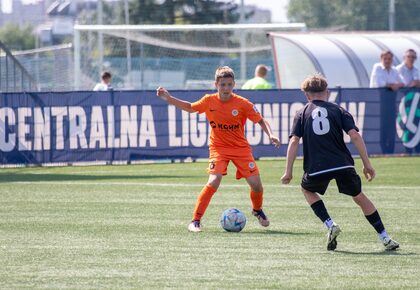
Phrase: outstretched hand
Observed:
(162, 93)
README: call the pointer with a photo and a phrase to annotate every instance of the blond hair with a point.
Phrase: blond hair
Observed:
(224, 72)
(314, 84)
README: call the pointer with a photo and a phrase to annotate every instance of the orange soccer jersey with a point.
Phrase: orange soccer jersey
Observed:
(227, 120)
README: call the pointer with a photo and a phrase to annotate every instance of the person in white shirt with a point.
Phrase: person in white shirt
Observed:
(105, 84)
(384, 74)
(409, 73)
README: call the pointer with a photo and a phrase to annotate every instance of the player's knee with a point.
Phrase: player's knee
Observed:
(360, 197)
(308, 193)
(214, 181)
(214, 185)
(257, 187)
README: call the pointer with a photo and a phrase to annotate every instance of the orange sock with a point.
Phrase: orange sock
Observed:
(203, 201)
(256, 199)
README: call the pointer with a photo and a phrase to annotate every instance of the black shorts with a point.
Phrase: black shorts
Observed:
(348, 181)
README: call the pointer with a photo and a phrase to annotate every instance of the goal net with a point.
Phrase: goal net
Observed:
(142, 57)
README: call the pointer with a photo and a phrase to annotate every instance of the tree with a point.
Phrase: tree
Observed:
(354, 14)
(183, 12)
(16, 38)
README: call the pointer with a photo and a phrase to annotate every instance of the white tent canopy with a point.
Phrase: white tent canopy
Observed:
(346, 59)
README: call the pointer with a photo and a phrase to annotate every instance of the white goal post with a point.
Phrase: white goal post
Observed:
(97, 45)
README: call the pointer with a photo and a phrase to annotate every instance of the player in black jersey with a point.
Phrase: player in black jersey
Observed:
(326, 157)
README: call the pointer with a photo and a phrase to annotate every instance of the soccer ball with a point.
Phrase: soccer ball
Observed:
(233, 220)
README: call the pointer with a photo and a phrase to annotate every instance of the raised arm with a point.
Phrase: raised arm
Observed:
(181, 104)
(358, 142)
(267, 129)
(290, 159)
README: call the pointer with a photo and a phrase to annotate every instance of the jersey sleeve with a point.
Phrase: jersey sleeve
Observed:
(201, 105)
(347, 121)
(297, 127)
(252, 113)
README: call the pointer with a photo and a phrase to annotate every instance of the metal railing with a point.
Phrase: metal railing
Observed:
(13, 76)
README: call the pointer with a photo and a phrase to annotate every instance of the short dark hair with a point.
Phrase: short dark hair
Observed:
(410, 50)
(385, 52)
(224, 72)
(314, 84)
(106, 75)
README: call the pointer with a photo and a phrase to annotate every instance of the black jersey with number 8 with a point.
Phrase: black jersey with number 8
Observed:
(321, 125)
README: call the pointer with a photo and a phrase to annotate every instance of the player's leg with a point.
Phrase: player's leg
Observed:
(256, 195)
(205, 195)
(372, 215)
(217, 168)
(248, 169)
(349, 182)
(310, 186)
(318, 207)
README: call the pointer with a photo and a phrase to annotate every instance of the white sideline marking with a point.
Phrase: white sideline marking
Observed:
(182, 184)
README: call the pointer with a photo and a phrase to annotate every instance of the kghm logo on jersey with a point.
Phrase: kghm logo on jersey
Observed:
(225, 127)
(408, 120)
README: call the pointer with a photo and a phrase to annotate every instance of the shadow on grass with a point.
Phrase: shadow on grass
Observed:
(272, 232)
(28, 177)
(382, 253)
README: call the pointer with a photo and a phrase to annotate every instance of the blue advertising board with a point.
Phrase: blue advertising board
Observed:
(69, 127)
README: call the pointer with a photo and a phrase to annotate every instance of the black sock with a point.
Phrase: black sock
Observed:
(320, 210)
(376, 222)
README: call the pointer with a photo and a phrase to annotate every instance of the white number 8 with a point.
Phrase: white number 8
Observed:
(320, 123)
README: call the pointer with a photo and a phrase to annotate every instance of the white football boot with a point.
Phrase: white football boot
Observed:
(332, 235)
(390, 244)
(194, 227)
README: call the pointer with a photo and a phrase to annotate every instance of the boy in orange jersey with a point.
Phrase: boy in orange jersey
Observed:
(227, 114)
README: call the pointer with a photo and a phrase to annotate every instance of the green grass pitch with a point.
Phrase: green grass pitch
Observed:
(126, 227)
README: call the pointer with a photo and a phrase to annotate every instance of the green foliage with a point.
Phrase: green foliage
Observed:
(16, 38)
(183, 12)
(120, 227)
(355, 14)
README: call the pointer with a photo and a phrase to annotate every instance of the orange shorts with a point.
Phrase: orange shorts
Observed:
(245, 166)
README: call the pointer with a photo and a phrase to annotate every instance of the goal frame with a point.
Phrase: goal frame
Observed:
(152, 28)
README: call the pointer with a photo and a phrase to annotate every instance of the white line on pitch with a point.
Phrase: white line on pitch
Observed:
(181, 184)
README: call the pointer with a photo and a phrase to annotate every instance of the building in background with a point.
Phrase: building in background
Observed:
(33, 14)
(52, 20)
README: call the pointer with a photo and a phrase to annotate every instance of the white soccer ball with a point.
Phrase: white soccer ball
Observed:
(233, 220)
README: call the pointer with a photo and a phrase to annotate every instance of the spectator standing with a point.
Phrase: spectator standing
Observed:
(408, 72)
(105, 84)
(384, 75)
(258, 82)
